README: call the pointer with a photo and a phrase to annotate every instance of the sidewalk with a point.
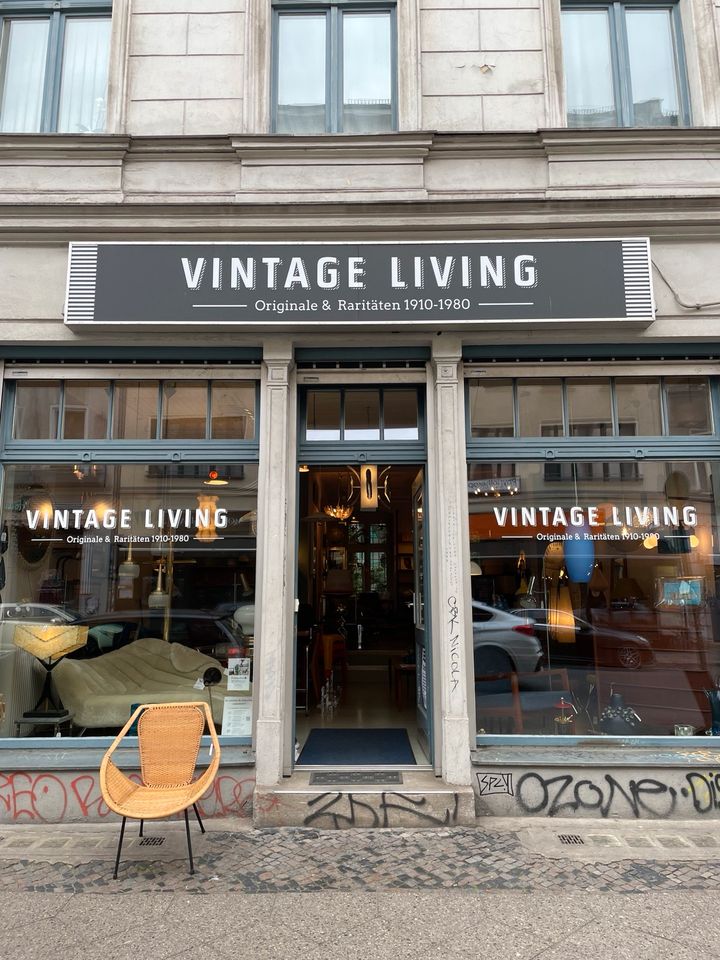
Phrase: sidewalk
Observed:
(525, 888)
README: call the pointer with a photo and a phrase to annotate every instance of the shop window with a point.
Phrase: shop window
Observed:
(334, 68)
(143, 575)
(233, 411)
(596, 611)
(53, 66)
(624, 65)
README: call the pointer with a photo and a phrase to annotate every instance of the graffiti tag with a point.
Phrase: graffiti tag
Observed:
(338, 810)
(495, 783)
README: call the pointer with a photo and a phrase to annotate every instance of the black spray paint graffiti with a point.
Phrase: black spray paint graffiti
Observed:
(646, 797)
(563, 794)
(338, 810)
(494, 784)
(454, 642)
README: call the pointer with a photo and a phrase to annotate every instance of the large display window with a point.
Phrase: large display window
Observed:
(124, 584)
(595, 596)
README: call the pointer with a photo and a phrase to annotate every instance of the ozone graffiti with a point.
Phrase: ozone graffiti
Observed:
(49, 797)
(605, 795)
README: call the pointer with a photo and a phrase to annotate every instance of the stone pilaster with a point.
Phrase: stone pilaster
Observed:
(449, 558)
(274, 594)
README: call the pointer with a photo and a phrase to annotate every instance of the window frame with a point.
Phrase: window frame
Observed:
(57, 13)
(620, 57)
(334, 12)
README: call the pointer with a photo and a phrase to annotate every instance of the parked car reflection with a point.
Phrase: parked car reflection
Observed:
(37, 612)
(205, 632)
(587, 645)
(503, 642)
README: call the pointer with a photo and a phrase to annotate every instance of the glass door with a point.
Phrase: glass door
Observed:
(423, 697)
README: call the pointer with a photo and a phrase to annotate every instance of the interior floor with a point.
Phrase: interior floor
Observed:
(368, 701)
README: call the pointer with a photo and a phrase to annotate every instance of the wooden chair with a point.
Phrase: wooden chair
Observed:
(169, 743)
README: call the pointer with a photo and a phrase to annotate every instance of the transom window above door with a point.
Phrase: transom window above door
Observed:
(334, 67)
(361, 414)
(54, 65)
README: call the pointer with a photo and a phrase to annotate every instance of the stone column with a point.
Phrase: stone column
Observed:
(274, 592)
(449, 557)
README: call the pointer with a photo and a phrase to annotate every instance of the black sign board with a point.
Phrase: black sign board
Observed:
(389, 284)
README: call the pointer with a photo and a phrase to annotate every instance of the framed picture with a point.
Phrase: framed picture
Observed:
(671, 592)
(336, 558)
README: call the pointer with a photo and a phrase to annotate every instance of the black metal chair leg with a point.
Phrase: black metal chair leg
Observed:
(117, 859)
(142, 823)
(187, 831)
(197, 814)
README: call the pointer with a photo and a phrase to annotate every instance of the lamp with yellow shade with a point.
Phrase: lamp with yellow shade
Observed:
(49, 642)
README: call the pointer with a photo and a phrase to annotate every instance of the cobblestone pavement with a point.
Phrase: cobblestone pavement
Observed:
(63, 859)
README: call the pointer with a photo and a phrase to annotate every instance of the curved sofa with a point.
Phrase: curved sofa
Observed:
(101, 692)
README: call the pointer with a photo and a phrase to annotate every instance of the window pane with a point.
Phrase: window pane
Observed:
(653, 72)
(301, 74)
(22, 74)
(588, 69)
(638, 407)
(615, 587)
(589, 408)
(362, 415)
(135, 409)
(184, 411)
(83, 85)
(232, 411)
(81, 558)
(688, 406)
(323, 415)
(491, 408)
(400, 415)
(540, 404)
(367, 73)
(37, 407)
(85, 414)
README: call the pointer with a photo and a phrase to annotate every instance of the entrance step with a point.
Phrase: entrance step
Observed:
(421, 800)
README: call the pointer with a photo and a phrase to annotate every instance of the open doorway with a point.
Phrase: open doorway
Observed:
(363, 673)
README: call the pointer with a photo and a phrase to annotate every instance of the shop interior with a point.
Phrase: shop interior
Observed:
(356, 672)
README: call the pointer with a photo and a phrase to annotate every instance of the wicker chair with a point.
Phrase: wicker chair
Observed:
(169, 743)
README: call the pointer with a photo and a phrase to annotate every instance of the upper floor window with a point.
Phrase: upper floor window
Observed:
(334, 68)
(54, 65)
(624, 65)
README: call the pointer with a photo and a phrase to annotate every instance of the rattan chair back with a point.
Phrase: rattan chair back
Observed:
(169, 743)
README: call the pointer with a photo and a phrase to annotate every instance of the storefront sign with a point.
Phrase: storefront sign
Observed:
(310, 284)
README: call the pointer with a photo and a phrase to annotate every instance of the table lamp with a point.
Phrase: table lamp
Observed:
(49, 642)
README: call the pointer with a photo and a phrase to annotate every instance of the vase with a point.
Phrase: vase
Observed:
(714, 701)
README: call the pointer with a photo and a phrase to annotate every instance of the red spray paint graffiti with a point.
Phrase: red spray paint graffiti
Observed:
(51, 798)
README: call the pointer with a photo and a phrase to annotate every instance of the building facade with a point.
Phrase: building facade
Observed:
(360, 377)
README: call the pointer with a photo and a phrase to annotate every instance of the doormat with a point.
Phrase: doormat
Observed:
(371, 746)
(355, 777)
